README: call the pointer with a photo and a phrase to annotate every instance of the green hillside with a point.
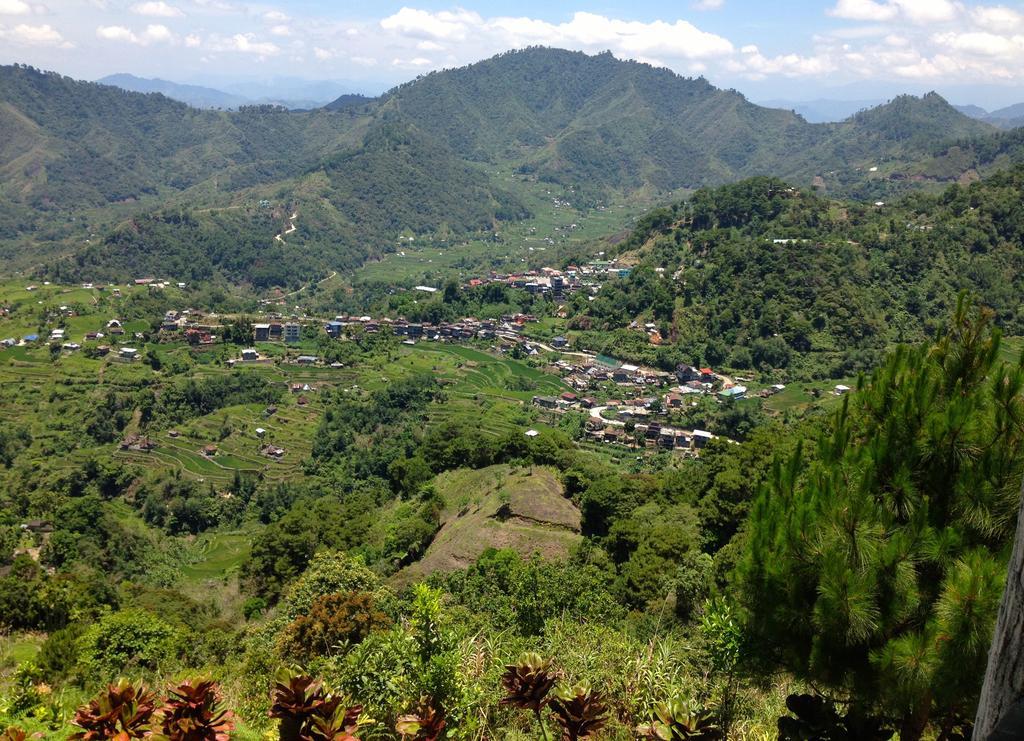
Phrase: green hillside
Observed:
(762, 275)
(99, 183)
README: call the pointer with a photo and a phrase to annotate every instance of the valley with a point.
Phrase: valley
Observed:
(554, 395)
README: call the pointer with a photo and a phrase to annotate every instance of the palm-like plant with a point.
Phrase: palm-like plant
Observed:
(122, 711)
(308, 712)
(193, 712)
(580, 711)
(295, 700)
(675, 720)
(333, 721)
(425, 723)
(528, 683)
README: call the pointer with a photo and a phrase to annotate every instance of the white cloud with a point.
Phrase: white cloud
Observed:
(115, 33)
(754, 65)
(980, 42)
(157, 33)
(275, 16)
(633, 39)
(281, 30)
(414, 63)
(14, 7)
(998, 18)
(927, 11)
(450, 25)
(192, 41)
(708, 4)
(44, 35)
(156, 9)
(154, 34)
(322, 54)
(863, 10)
(914, 11)
(246, 43)
(364, 61)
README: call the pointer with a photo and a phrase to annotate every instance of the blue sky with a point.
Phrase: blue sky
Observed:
(797, 50)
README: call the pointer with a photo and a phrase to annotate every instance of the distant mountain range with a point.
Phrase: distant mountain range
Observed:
(160, 183)
(823, 110)
(306, 95)
(1010, 117)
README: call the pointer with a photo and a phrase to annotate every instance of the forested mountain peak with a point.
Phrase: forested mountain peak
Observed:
(908, 117)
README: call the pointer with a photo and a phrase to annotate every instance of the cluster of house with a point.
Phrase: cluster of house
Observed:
(142, 443)
(509, 328)
(587, 372)
(59, 336)
(652, 435)
(156, 284)
(645, 432)
(277, 331)
(557, 283)
(195, 326)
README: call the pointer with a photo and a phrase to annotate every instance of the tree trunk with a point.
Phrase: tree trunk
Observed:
(1004, 678)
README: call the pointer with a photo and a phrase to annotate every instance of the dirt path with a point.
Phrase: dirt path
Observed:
(291, 228)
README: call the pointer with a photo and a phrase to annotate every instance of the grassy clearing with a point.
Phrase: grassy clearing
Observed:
(799, 396)
(218, 555)
(556, 229)
(498, 507)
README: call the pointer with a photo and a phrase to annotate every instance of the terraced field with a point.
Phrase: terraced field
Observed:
(556, 228)
(53, 397)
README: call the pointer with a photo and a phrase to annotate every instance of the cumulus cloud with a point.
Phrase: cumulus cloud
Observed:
(246, 43)
(863, 10)
(27, 35)
(998, 18)
(914, 11)
(708, 4)
(14, 7)
(192, 41)
(275, 16)
(414, 63)
(282, 29)
(153, 34)
(755, 65)
(589, 31)
(449, 25)
(157, 9)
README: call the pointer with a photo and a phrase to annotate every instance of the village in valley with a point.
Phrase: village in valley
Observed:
(620, 403)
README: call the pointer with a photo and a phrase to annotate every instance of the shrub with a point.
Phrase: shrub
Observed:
(333, 620)
(125, 641)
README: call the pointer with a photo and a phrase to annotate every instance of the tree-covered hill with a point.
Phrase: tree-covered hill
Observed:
(763, 275)
(79, 147)
(597, 122)
(80, 160)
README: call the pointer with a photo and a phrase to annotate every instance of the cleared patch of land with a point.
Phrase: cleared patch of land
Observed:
(524, 509)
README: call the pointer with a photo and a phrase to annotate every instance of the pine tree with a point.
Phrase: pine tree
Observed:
(876, 555)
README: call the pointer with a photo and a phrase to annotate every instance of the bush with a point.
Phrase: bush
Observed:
(333, 621)
(126, 642)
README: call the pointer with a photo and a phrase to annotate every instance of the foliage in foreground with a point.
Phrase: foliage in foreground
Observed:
(875, 562)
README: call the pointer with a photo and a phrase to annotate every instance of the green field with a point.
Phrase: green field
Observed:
(51, 396)
(217, 555)
(557, 229)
